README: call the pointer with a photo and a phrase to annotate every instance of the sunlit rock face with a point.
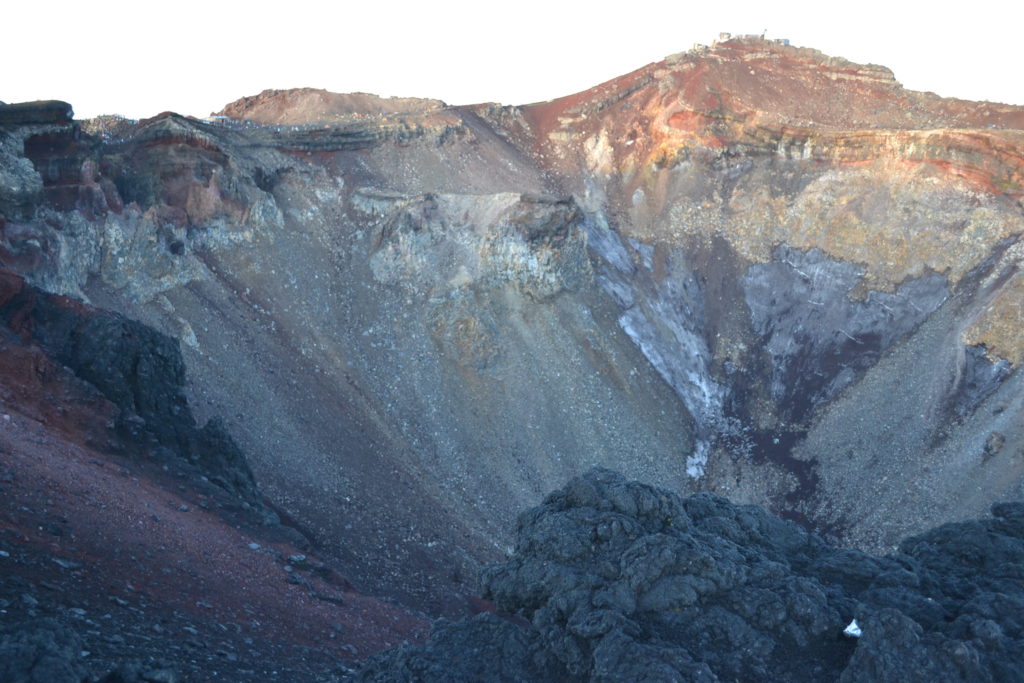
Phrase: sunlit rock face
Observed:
(751, 269)
(822, 265)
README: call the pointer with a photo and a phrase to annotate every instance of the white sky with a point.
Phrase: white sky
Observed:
(138, 59)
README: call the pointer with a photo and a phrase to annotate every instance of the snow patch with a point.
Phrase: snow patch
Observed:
(664, 318)
(852, 630)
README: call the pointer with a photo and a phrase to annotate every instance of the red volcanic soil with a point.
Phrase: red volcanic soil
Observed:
(757, 96)
(149, 561)
(781, 85)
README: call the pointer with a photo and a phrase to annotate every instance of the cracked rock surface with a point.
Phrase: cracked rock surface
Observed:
(620, 580)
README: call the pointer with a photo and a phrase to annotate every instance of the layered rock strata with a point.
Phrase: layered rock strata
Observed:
(752, 269)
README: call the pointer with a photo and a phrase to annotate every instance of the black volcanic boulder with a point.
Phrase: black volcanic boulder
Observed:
(133, 365)
(623, 581)
(44, 653)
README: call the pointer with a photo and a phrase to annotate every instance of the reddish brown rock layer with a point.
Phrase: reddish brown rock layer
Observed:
(757, 96)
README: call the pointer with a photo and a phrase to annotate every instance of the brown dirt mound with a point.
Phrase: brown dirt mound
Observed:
(301, 106)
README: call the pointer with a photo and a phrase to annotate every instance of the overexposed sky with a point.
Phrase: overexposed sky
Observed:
(138, 59)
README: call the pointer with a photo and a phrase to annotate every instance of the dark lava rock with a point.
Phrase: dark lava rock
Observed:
(48, 653)
(136, 672)
(34, 113)
(485, 648)
(134, 366)
(623, 581)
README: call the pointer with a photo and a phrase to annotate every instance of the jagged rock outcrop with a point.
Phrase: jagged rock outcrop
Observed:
(21, 188)
(624, 581)
(436, 244)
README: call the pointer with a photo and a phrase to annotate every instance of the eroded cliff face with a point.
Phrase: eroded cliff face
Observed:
(825, 222)
(754, 270)
(399, 323)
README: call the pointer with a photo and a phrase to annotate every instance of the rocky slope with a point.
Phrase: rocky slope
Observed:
(130, 540)
(751, 269)
(373, 310)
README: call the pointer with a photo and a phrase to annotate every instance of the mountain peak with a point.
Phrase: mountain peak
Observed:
(750, 78)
